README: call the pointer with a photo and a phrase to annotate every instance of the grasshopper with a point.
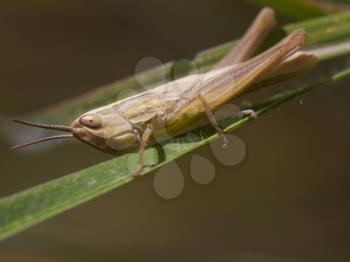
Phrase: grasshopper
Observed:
(153, 115)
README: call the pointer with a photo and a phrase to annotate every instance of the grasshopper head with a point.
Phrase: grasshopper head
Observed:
(105, 130)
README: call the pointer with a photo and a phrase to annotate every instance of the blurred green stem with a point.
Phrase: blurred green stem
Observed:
(302, 9)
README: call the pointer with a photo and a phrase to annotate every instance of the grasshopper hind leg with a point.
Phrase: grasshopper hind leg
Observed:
(248, 44)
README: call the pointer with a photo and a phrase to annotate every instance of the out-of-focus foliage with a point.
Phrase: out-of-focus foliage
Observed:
(302, 9)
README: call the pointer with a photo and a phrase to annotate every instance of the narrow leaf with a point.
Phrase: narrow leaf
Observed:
(29, 207)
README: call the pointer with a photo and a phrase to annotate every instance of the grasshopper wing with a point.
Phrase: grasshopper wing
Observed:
(236, 79)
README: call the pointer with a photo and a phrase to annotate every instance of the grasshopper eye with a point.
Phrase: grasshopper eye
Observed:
(91, 120)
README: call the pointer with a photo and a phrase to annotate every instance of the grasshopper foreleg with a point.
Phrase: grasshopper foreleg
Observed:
(146, 135)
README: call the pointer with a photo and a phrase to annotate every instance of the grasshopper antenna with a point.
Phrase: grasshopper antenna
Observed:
(53, 127)
(45, 139)
(42, 140)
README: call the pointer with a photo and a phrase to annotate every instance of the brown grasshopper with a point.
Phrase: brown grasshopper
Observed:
(169, 109)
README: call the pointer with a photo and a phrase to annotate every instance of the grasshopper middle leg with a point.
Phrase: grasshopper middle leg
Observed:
(145, 137)
(212, 119)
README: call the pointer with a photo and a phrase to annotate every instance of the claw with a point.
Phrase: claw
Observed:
(250, 113)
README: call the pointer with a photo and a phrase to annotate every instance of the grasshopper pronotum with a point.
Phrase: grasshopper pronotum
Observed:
(169, 109)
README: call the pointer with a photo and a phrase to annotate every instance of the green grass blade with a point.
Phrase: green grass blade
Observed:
(27, 208)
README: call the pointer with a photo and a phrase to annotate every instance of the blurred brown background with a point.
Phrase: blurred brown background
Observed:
(288, 200)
